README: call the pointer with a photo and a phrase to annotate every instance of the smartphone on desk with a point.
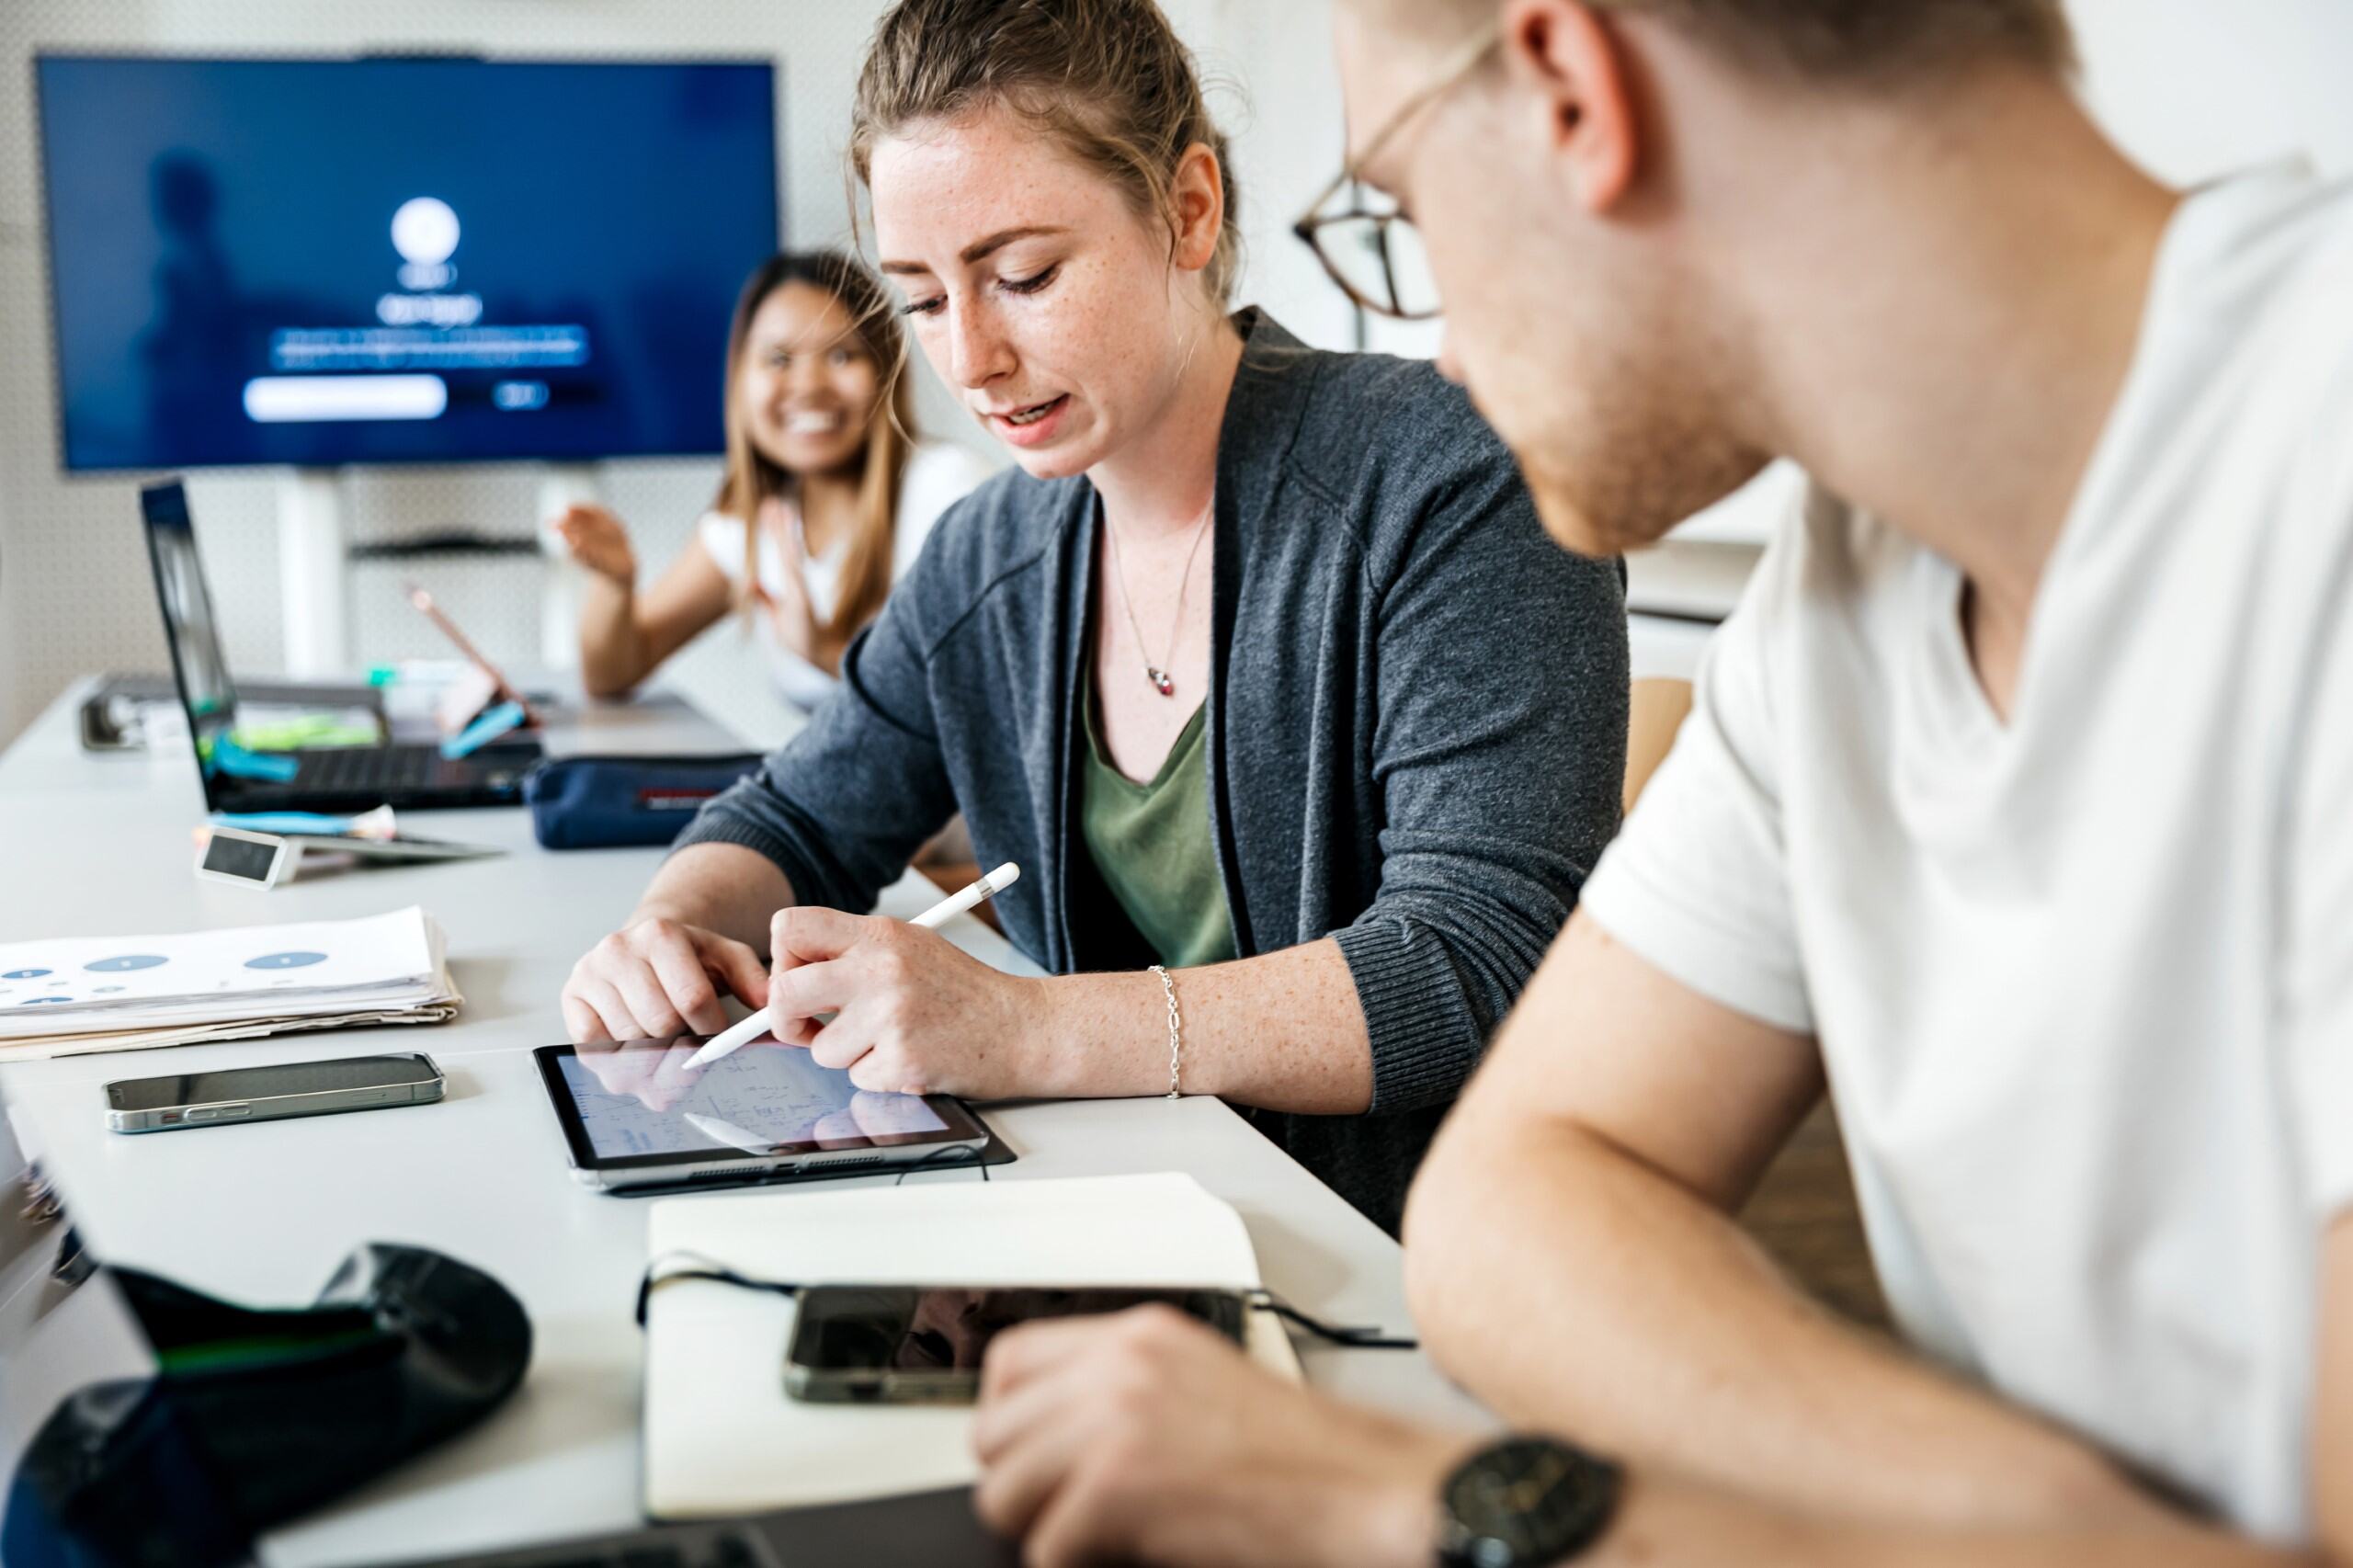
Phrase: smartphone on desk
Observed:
(271, 1092)
(923, 1344)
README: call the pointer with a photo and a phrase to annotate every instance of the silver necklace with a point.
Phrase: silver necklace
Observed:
(1158, 673)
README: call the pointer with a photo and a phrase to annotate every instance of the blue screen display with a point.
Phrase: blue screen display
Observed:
(323, 262)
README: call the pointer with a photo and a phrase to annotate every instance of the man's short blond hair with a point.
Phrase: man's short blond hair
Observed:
(1841, 40)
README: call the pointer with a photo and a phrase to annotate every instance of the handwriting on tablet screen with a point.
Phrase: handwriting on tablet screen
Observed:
(638, 1098)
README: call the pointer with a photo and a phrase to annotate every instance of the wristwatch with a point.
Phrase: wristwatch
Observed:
(1525, 1502)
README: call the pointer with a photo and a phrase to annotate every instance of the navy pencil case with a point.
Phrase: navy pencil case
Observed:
(609, 803)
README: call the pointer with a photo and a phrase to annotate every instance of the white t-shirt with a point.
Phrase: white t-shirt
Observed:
(939, 475)
(2083, 984)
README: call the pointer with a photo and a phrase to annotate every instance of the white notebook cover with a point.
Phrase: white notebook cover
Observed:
(722, 1437)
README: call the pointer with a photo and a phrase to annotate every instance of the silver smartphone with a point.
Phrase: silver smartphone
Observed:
(271, 1092)
(924, 1343)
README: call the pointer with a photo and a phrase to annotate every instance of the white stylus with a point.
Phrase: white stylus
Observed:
(947, 909)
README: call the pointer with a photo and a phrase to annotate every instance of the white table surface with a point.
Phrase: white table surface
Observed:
(262, 1213)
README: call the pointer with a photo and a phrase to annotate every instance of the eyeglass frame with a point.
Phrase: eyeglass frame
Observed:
(1473, 54)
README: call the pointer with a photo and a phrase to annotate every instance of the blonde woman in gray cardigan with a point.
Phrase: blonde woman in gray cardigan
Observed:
(1259, 665)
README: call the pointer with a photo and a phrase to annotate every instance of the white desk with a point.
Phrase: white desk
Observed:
(262, 1213)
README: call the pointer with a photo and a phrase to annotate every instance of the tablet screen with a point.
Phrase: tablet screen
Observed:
(640, 1100)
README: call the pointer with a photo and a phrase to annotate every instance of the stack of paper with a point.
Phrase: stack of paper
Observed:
(722, 1438)
(65, 996)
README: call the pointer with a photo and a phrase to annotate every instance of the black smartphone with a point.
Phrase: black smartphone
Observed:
(269, 1093)
(923, 1344)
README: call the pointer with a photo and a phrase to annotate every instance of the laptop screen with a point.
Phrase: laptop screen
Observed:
(189, 624)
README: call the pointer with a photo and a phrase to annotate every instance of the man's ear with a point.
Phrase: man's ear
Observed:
(1198, 198)
(1572, 68)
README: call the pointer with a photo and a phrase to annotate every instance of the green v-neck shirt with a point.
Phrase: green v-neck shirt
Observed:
(1151, 845)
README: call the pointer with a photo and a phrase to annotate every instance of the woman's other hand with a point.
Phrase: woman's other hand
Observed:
(655, 979)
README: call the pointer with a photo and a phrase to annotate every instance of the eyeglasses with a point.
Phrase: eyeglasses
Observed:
(1371, 250)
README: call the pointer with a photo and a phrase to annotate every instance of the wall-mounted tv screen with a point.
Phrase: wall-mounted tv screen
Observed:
(397, 260)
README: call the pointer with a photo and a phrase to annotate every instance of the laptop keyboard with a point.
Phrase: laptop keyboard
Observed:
(369, 767)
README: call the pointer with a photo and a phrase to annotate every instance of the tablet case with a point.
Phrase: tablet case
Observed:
(995, 1151)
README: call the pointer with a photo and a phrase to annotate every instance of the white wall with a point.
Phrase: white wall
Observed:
(2196, 89)
(10, 616)
(2192, 87)
(74, 589)
(76, 596)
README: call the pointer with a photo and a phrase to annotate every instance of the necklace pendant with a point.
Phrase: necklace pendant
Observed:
(1160, 681)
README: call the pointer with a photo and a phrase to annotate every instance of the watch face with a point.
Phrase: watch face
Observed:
(1528, 1501)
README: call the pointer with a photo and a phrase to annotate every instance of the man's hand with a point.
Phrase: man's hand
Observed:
(912, 1013)
(1146, 1438)
(655, 978)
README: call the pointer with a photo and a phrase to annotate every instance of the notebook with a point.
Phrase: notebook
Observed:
(722, 1437)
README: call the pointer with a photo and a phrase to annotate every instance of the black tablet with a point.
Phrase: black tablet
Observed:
(635, 1115)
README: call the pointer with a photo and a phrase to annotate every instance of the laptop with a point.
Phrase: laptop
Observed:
(410, 775)
(66, 1334)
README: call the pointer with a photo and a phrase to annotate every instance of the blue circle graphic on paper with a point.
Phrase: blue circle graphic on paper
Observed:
(127, 962)
(37, 1001)
(286, 960)
(23, 974)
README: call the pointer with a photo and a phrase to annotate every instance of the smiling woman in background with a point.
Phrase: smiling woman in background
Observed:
(826, 502)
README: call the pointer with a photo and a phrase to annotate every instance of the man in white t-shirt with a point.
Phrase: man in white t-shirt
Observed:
(2017, 807)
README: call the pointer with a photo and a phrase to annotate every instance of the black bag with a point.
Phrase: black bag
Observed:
(609, 803)
(256, 1416)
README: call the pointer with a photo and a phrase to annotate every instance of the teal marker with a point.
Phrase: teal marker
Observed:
(290, 822)
(234, 760)
(483, 731)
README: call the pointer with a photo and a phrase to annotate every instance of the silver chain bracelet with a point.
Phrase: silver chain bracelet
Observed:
(1175, 1031)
